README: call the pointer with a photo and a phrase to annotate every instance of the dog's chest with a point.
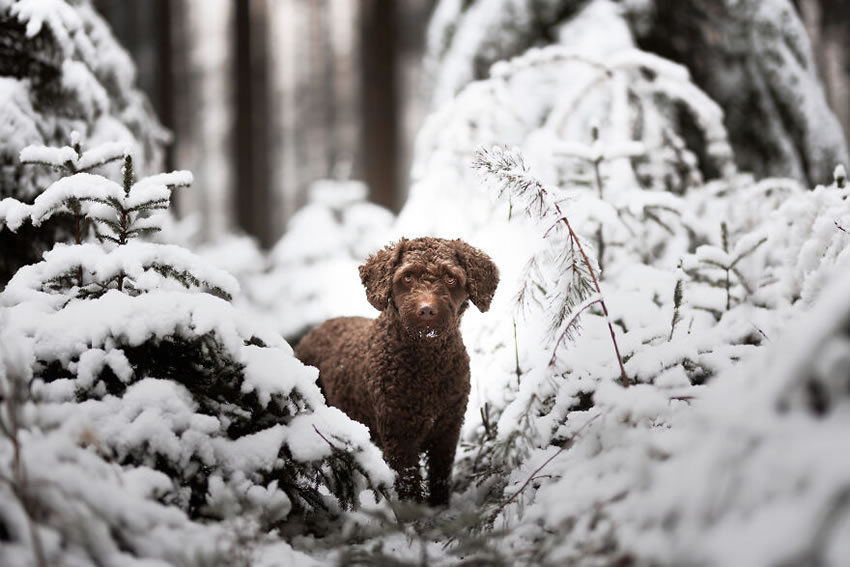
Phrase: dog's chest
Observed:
(416, 380)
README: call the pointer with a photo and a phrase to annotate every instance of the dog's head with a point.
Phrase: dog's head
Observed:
(430, 282)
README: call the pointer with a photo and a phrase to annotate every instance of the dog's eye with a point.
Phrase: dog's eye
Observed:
(408, 278)
(450, 279)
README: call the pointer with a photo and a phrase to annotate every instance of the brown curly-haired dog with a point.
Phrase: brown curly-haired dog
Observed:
(406, 374)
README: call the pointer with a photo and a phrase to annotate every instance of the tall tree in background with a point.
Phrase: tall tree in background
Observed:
(379, 100)
(827, 22)
(251, 86)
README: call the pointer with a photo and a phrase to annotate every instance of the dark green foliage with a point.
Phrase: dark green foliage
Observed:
(37, 58)
(214, 379)
(677, 304)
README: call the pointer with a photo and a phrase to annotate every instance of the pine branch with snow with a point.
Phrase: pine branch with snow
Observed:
(119, 214)
(718, 268)
(507, 171)
(71, 159)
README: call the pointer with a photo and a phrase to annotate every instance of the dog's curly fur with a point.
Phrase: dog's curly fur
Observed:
(406, 374)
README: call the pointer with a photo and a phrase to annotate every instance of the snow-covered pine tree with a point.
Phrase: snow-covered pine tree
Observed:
(61, 70)
(154, 374)
(770, 74)
(117, 214)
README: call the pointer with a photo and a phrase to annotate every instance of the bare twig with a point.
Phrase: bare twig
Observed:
(533, 475)
(517, 369)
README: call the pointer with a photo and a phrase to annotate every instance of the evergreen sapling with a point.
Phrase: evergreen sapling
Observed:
(580, 289)
(117, 214)
(176, 381)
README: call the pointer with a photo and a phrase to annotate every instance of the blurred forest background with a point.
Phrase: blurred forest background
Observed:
(263, 97)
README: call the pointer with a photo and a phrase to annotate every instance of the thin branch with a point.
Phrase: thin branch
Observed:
(623, 375)
(533, 475)
(319, 433)
(570, 321)
(511, 171)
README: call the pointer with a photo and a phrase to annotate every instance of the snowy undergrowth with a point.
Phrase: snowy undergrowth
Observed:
(648, 474)
(130, 366)
(708, 276)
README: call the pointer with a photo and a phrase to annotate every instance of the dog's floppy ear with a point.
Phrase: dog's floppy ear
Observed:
(482, 275)
(376, 273)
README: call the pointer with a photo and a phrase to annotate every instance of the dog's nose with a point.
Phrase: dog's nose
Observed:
(427, 311)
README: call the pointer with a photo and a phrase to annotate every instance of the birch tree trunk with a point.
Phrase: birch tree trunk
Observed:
(202, 36)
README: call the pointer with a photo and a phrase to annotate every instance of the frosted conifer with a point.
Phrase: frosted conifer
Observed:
(173, 380)
(62, 70)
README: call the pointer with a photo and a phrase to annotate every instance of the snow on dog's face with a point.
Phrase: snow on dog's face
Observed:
(430, 282)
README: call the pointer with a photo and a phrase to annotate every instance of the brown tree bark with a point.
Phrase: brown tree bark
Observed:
(252, 197)
(379, 102)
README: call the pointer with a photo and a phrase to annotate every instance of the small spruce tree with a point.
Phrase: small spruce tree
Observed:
(145, 331)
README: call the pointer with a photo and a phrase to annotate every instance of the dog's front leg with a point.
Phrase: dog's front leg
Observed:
(404, 460)
(401, 438)
(441, 455)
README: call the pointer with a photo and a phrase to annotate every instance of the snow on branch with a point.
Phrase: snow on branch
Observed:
(171, 180)
(80, 187)
(45, 155)
(506, 170)
(147, 267)
(61, 19)
(71, 158)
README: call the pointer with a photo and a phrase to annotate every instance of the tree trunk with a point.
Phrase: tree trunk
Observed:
(252, 195)
(379, 101)
(754, 59)
(827, 23)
